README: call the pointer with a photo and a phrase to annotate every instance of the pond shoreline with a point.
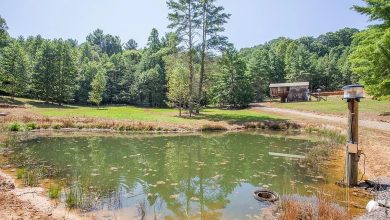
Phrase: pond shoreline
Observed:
(29, 202)
(87, 132)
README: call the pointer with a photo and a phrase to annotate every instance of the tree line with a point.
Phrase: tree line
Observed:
(194, 65)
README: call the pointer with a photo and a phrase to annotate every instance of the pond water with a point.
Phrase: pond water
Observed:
(209, 176)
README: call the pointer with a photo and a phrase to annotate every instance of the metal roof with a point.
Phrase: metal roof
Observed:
(289, 84)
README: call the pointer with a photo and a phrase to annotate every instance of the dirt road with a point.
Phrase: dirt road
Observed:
(383, 126)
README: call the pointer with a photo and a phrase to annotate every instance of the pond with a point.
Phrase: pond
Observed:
(209, 176)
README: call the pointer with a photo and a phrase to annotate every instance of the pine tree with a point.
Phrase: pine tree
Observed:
(14, 64)
(44, 72)
(212, 20)
(65, 70)
(131, 45)
(185, 18)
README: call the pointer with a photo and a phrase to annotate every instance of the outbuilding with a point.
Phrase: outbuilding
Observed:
(290, 92)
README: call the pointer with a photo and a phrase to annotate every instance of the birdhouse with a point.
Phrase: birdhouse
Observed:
(354, 91)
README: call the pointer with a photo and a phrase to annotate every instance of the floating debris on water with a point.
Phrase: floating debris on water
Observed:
(174, 196)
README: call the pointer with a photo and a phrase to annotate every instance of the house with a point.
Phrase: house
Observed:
(290, 92)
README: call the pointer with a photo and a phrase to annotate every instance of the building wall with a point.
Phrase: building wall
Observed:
(298, 94)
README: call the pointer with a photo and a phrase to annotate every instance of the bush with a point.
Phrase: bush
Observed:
(31, 126)
(213, 127)
(31, 178)
(57, 126)
(20, 173)
(73, 198)
(14, 127)
(54, 191)
(300, 207)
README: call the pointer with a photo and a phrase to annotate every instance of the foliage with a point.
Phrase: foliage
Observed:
(54, 191)
(177, 75)
(370, 60)
(14, 73)
(212, 20)
(20, 173)
(185, 18)
(322, 61)
(98, 86)
(232, 84)
(370, 56)
(377, 10)
(14, 127)
(4, 37)
(55, 72)
(106, 43)
(131, 45)
(63, 71)
(31, 126)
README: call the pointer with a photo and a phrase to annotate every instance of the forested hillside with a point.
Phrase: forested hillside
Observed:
(194, 65)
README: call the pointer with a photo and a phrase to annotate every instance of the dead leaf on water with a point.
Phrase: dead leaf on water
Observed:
(174, 196)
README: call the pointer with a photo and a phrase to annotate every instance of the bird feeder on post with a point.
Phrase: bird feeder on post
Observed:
(353, 94)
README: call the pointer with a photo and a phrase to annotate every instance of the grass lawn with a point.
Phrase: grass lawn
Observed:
(139, 113)
(336, 105)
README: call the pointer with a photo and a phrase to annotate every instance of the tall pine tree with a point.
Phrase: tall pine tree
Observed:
(185, 18)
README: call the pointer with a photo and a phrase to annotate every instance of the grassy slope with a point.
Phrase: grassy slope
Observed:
(336, 105)
(139, 113)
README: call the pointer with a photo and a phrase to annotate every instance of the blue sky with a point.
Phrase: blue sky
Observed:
(252, 22)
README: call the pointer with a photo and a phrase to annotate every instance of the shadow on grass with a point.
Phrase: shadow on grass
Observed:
(9, 101)
(40, 104)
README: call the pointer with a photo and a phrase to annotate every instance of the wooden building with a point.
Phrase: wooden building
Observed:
(290, 92)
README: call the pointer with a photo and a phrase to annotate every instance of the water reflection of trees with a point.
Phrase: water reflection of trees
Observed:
(191, 176)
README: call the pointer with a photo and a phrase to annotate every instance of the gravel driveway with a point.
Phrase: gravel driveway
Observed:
(383, 126)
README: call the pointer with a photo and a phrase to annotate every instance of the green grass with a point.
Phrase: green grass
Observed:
(14, 127)
(164, 115)
(54, 191)
(336, 105)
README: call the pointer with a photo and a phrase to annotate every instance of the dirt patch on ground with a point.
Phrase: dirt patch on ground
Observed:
(28, 203)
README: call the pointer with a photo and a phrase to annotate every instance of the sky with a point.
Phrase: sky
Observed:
(252, 22)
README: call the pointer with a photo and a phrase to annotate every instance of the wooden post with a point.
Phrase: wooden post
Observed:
(352, 157)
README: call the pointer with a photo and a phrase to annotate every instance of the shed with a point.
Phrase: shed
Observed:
(290, 92)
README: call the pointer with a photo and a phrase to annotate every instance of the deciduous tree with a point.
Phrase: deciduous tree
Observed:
(98, 86)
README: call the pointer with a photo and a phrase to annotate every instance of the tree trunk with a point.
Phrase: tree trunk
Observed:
(203, 55)
(180, 110)
(191, 66)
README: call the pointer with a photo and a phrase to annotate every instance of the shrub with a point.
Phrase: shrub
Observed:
(213, 127)
(73, 198)
(68, 124)
(31, 178)
(54, 191)
(57, 126)
(31, 126)
(300, 207)
(14, 127)
(20, 173)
